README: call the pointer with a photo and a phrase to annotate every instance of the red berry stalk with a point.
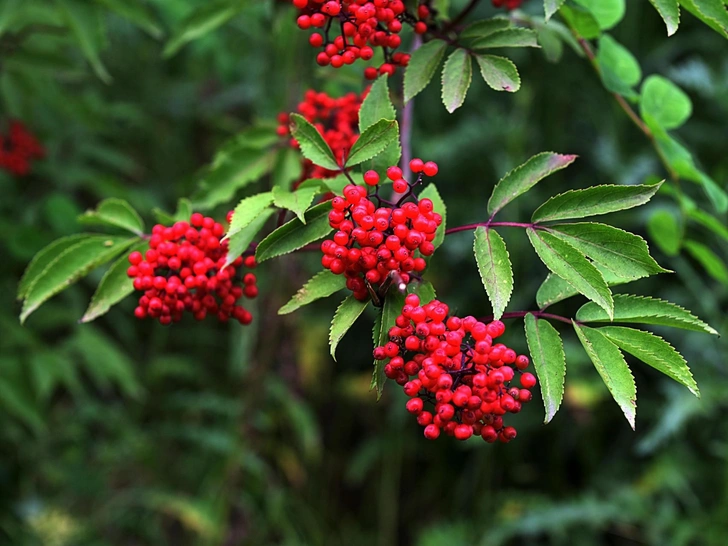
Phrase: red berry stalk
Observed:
(454, 365)
(376, 242)
(18, 148)
(183, 270)
(351, 29)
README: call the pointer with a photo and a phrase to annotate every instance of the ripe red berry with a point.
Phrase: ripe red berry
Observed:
(430, 168)
(528, 380)
(371, 178)
(416, 165)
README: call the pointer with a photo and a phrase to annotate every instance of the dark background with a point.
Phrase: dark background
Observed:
(129, 433)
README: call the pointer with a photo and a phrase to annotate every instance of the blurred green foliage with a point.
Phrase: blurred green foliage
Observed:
(129, 433)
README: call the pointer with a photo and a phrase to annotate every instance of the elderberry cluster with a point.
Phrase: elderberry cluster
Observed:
(455, 365)
(18, 148)
(336, 119)
(360, 26)
(510, 5)
(183, 270)
(376, 242)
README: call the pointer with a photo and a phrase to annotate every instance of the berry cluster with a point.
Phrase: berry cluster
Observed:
(361, 25)
(376, 242)
(183, 270)
(336, 119)
(458, 368)
(17, 148)
(510, 5)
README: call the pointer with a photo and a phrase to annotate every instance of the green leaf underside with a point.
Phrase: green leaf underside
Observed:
(312, 143)
(116, 213)
(623, 253)
(239, 242)
(551, 7)
(232, 174)
(654, 351)
(248, 210)
(711, 12)
(547, 352)
(645, 310)
(346, 314)
(295, 234)
(321, 285)
(373, 141)
(45, 256)
(669, 10)
(392, 307)
(523, 178)
(456, 77)
(609, 362)
(499, 73)
(511, 37)
(555, 289)
(485, 27)
(115, 285)
(438, 206)
(296, 201)
(494, 266)
(422, 67)
(568, 263)
(75, 262)
(619, 69)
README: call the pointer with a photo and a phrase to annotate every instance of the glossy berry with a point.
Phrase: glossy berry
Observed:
(371, 178)
(456, 366)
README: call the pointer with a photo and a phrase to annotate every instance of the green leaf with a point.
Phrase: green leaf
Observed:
(712, 12)
(581, 21)
(287, 169)
(321, 285)
(391, 309)
(312, 143)
(116, 213)
(423, 289)
(422, 67)
(710, 222)
(555, 289)
(85, 23)
(494, 265)
(115, 285)
(297, 201)
(136, 12)
(184, 210)
(663, 104)
(485, 27)
(549, 360)
(203, 19)
(248, 210)
(295, 234)
(373, 141)
(44, 257)
(665, 230)
(523, 178)
(654, 351)
(618, 68)
(644, 310)
(239, 242)
(73, 263)
(623, 253)
(669, 10)
(593, 201)
(344, 318)
(231, 174)
(606, 12)
(378, 105)
(456, 77)
(568, 263)
(551, 7)
(610, 364)
(708, 259)
(499, 73)
(438, 206)
(511, 37)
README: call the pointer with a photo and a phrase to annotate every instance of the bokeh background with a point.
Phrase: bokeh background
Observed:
(123, 432)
